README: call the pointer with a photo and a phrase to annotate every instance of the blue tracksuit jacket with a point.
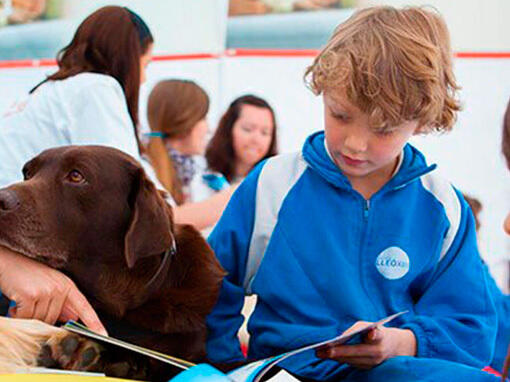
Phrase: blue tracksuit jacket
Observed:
(320, 257)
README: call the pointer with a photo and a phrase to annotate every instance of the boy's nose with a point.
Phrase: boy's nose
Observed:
(355, 144)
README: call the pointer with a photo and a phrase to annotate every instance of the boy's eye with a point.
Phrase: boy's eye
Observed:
(341, 117)
(384, 133)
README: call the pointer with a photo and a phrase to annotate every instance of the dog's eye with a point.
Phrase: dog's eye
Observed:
(75, 176)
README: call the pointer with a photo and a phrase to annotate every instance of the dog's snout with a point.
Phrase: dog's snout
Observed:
(8, 200)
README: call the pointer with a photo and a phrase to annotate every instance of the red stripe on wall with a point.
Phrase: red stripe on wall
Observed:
(15, 64)
(314, 52)
(197, 56)
(272, 52)
(27, 63)
(482, 55)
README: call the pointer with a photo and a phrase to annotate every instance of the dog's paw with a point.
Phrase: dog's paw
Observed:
(70, 351)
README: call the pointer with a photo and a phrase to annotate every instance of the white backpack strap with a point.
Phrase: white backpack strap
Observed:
(444, 192)
(277, 177)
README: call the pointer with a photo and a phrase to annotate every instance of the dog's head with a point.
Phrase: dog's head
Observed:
(83, 206)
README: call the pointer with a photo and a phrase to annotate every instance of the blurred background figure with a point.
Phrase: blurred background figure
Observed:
(476, 207)
(25, 11)
(257, 7)
(177, 111)
(246, 135)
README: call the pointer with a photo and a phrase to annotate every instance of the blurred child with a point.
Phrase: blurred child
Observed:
(177, 111)
(501, 300)
(246, 135)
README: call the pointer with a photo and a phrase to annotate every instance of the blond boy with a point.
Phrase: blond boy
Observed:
(357, 226)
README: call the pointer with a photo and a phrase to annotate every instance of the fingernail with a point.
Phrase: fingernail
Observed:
(101, 331)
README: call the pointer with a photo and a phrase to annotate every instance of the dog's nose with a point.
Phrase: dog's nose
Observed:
(8, 200)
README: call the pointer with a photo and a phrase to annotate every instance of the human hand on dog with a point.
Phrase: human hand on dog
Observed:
(378, 345)
(43, 293)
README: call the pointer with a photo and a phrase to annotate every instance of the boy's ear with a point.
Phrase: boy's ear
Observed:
(421, 129)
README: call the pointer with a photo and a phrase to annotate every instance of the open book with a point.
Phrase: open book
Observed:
(252, 372)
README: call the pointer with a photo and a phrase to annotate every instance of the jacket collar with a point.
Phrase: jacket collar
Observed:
(413, 164)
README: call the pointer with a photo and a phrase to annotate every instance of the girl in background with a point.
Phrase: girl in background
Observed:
(246, 135)
(177, 111)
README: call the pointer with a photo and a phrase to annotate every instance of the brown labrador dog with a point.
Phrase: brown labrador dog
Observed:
(91, 212)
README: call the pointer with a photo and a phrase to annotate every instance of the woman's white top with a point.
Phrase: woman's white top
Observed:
(86, 109)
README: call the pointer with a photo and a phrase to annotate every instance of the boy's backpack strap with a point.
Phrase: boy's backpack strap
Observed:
(445, 194)
(276, 178)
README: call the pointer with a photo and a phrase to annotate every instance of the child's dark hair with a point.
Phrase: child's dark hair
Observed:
(220, 150)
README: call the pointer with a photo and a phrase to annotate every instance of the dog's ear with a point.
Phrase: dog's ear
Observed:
(150, 230)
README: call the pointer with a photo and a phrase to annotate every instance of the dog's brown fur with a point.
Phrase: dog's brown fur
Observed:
(91, 212)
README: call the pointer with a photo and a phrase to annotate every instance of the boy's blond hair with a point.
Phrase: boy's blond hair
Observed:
(394, 64)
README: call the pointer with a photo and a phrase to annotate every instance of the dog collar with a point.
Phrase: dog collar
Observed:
(159, 277)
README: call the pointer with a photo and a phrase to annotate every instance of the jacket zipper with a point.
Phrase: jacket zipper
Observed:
(364, 234)
(366, 208)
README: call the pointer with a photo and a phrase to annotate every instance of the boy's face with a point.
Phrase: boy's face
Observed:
(359, 151)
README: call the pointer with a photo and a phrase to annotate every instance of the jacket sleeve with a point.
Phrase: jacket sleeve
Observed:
(230, 240)
(455, 318)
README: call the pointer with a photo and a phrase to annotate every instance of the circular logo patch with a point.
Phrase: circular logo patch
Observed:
(392, 263)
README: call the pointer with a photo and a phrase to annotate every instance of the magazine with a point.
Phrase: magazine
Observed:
(254, 371)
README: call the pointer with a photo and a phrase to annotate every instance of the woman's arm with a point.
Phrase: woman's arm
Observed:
(42, 292)
(205, 213)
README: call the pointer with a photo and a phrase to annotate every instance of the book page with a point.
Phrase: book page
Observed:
(339, 340)
(77, 328)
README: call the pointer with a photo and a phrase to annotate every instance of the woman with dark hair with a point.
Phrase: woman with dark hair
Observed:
(246, 134)
(91, 99)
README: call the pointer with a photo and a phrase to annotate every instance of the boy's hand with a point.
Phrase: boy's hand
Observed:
(378, 345)
(43, 293)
